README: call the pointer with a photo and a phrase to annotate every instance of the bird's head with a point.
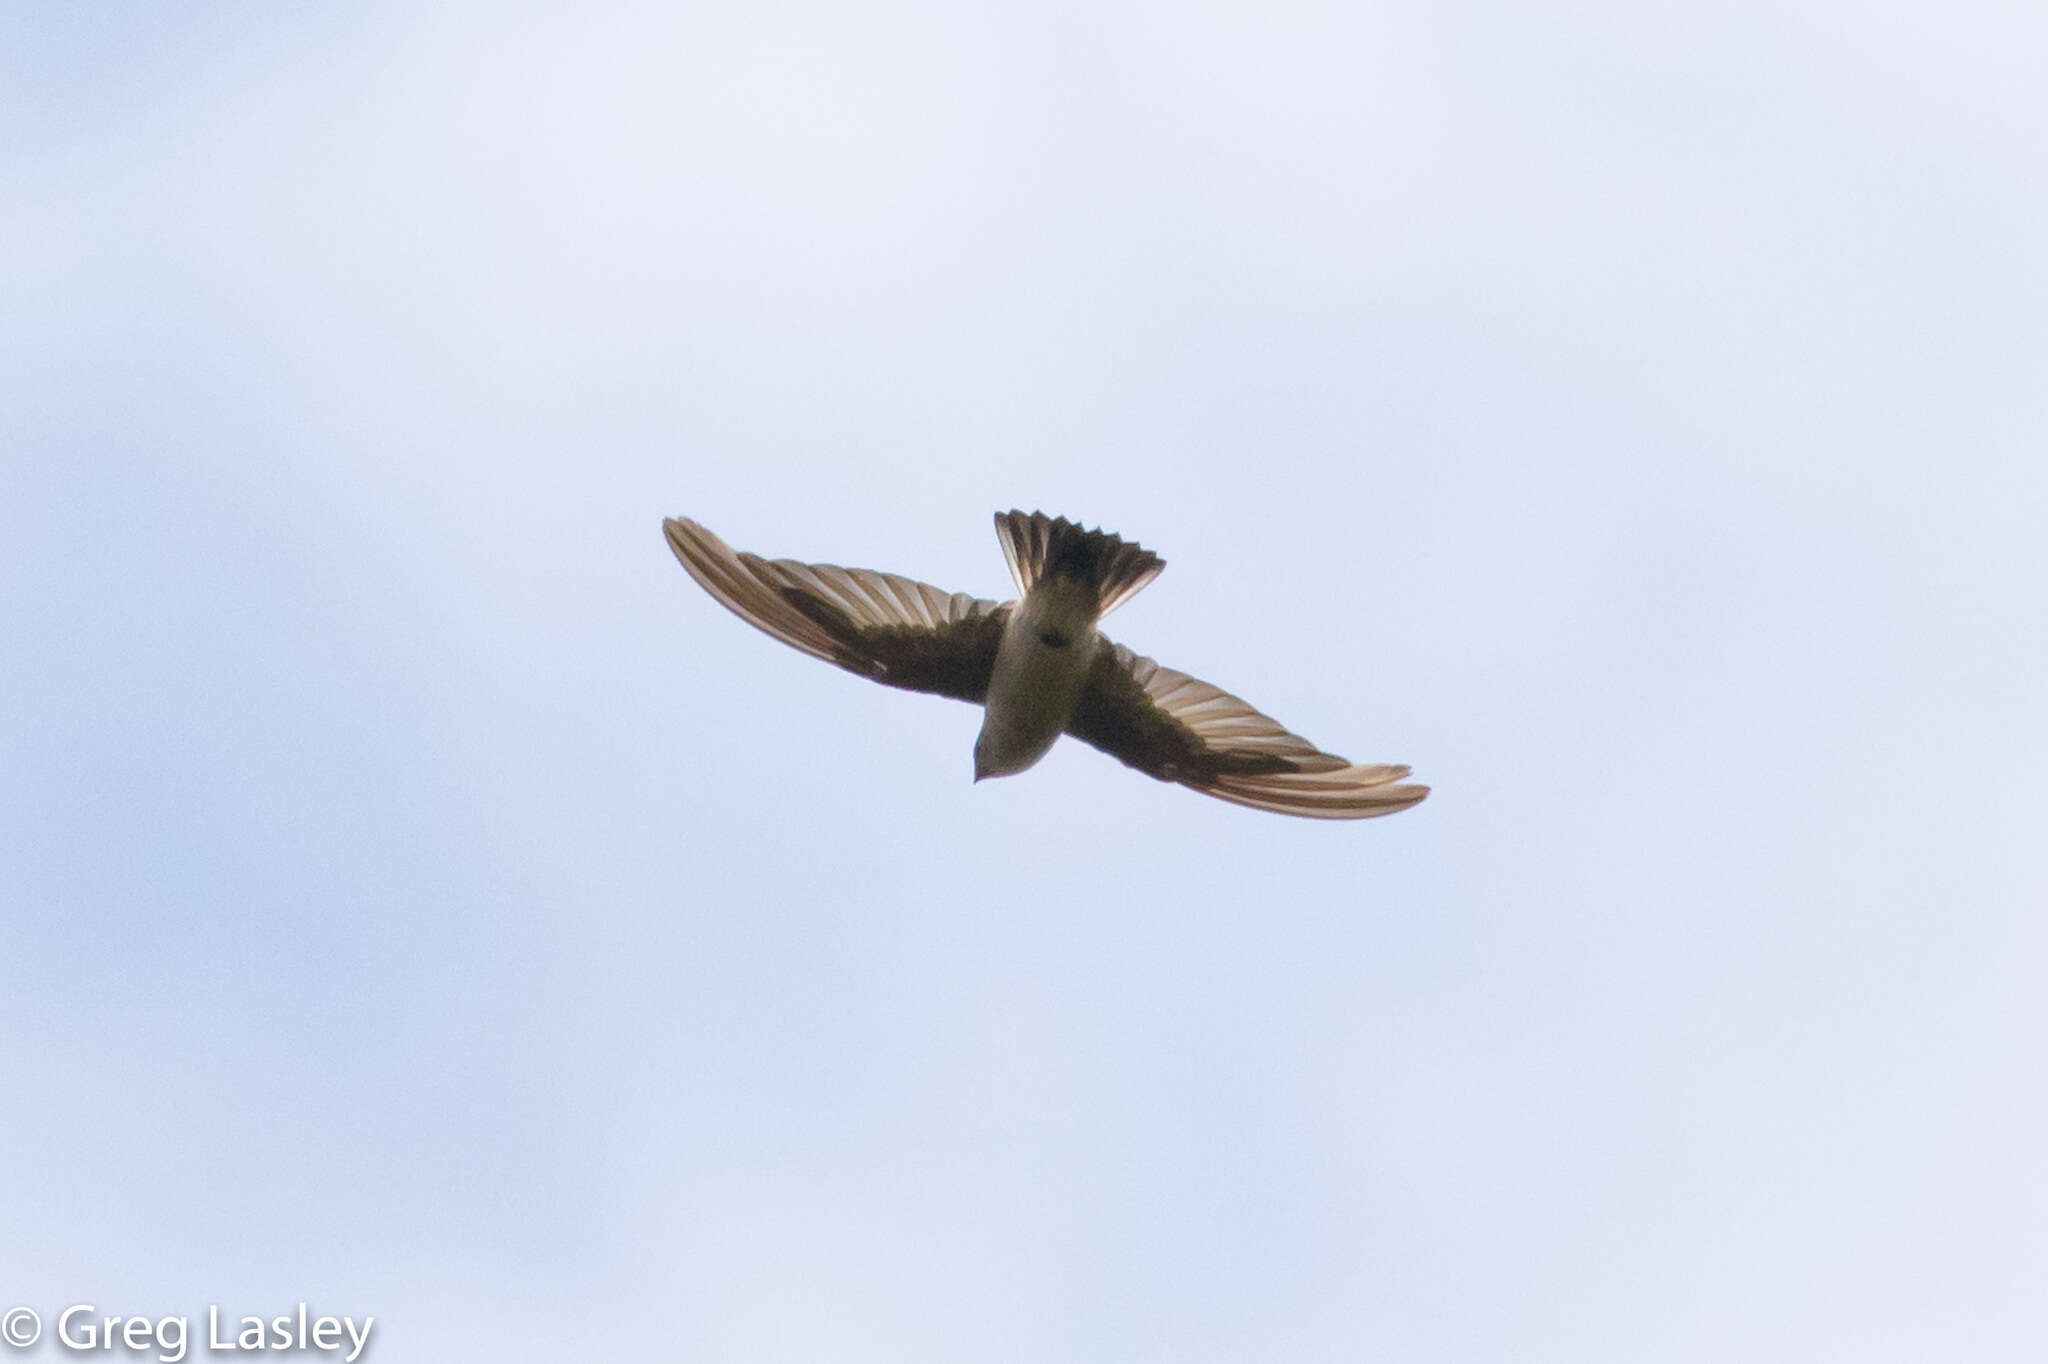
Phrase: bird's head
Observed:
(995, 754)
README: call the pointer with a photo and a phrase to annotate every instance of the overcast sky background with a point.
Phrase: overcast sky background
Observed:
(422, 900)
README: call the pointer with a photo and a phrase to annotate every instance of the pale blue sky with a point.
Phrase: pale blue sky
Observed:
(421, 899)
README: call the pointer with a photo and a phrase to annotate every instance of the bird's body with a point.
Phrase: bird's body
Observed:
(1040, 666)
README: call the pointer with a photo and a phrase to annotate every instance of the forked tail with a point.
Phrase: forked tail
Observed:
(1039, 546)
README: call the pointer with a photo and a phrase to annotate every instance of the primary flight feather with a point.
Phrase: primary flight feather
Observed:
(1039, 667)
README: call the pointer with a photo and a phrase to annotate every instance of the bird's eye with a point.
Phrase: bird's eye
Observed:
(1053, 639)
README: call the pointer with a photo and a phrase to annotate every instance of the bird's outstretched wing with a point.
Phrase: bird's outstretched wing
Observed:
(893, 630)
(1170, 726)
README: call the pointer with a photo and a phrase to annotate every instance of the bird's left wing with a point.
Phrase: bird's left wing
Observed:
(1173, 727)
(890, 629)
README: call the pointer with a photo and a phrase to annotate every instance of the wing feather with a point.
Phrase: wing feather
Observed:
(1180, 729)
(892, 629)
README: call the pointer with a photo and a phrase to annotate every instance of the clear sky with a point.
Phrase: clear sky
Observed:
(419, 899)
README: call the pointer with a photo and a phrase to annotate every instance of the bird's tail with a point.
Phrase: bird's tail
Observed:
(1039, 546)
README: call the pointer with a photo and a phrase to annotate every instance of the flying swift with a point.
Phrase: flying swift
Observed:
(1040, 668)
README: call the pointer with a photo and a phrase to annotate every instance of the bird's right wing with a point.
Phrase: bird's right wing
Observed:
(893, 630)
(1173, 727)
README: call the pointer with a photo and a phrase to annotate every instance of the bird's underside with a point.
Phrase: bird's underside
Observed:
(1166, 724)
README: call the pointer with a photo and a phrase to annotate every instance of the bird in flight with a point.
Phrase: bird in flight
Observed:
(1038, 666)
